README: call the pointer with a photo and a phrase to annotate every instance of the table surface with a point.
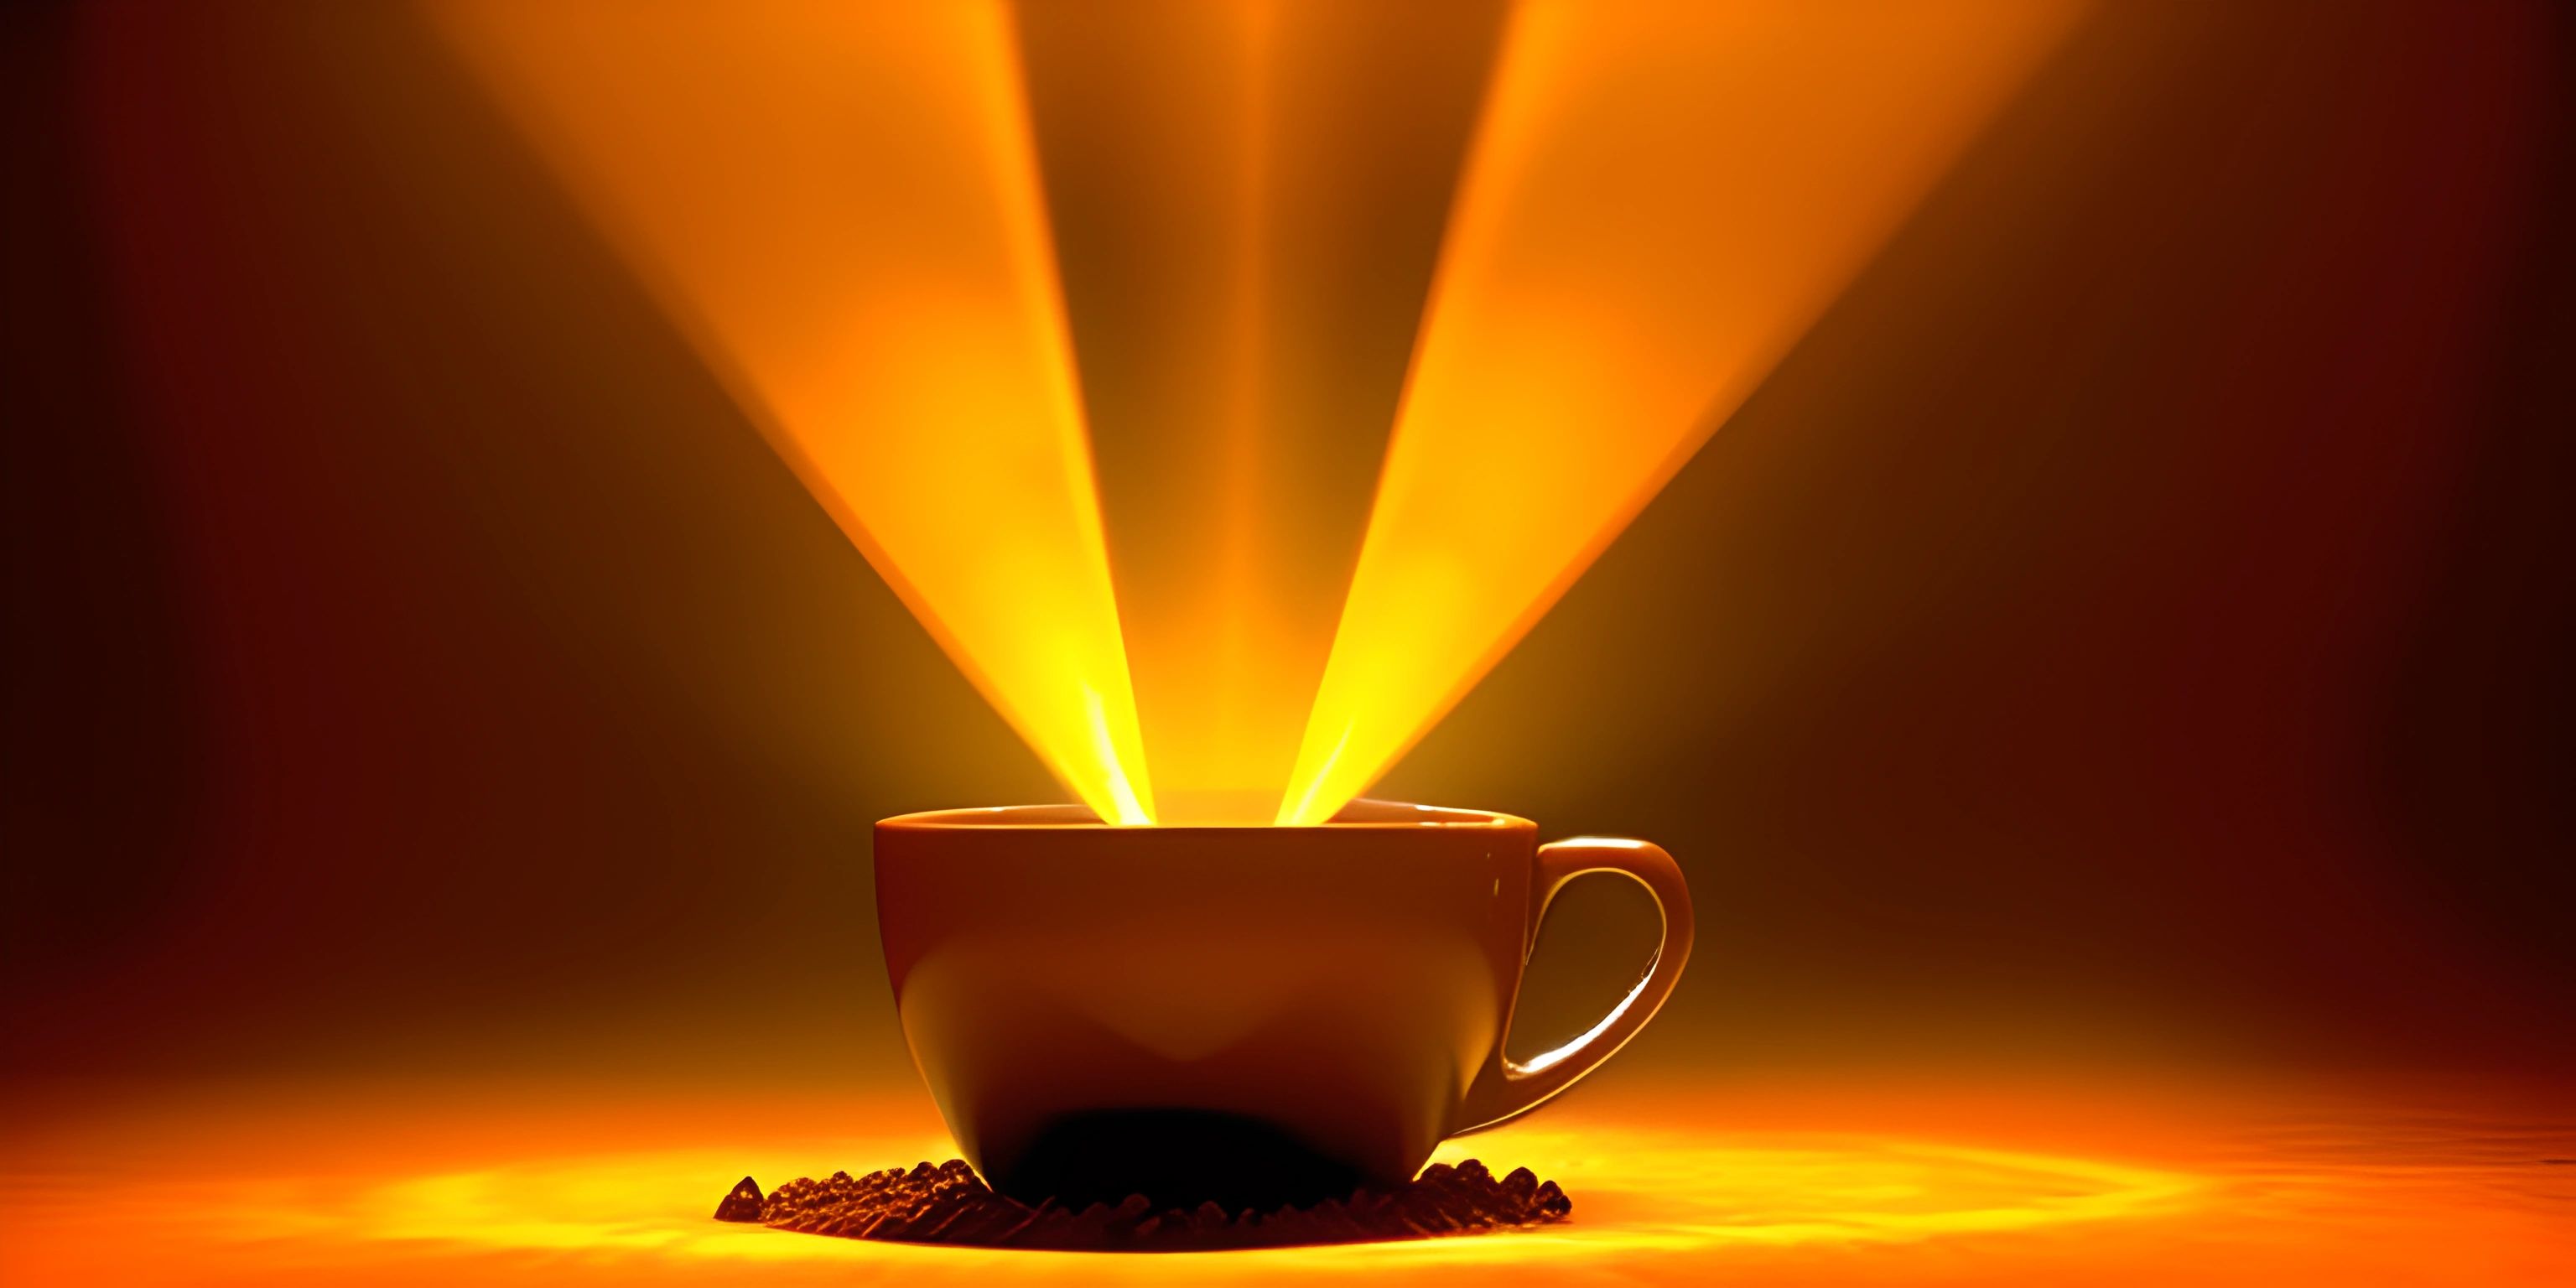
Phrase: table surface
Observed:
(1872, 1181)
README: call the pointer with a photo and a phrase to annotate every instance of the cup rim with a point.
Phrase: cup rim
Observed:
(1359, 816)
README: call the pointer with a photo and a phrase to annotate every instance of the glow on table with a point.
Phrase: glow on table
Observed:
(1666, 1190)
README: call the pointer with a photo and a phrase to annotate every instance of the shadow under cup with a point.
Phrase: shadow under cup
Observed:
(1254, 1016)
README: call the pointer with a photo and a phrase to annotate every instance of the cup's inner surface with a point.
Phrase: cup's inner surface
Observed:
(1359, 814)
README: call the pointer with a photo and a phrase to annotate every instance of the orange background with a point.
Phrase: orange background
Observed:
(2120, 652)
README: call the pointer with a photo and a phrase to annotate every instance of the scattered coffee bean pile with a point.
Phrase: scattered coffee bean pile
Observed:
(950, 1204)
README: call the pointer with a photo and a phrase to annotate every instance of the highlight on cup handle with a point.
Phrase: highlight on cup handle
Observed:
(1508, 1088)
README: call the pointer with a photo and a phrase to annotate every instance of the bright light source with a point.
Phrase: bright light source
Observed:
(1661, 201)
(839, 204)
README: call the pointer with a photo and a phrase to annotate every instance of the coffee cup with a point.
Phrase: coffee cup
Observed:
(1254, 1016)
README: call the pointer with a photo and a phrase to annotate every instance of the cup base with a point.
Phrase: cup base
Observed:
(1178, 1158)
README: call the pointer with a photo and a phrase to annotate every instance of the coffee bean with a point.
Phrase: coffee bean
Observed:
(948, 1203)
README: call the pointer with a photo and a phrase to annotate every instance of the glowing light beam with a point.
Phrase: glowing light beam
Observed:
(1661, 200)
(839, 204)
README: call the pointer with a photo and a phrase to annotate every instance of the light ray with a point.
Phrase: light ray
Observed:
(1247, 197)
(840, 205)
(1662, 199)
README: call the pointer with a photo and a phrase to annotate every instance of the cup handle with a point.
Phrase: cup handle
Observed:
(1509, 1088)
